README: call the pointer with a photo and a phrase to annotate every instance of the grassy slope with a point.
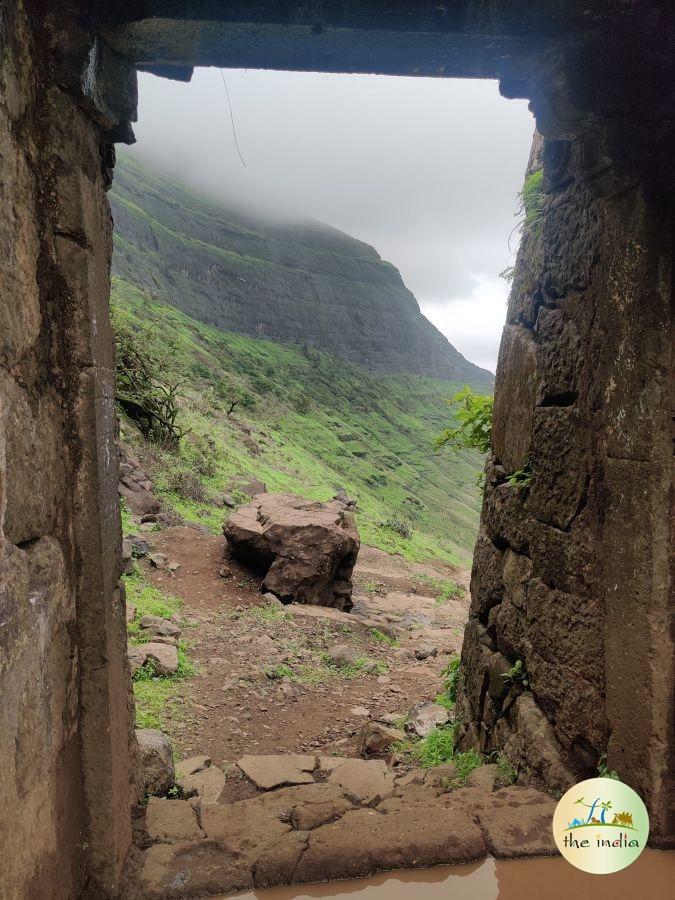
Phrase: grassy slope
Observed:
(304, 404)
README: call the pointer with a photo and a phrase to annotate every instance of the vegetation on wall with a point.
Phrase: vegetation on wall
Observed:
(472, 428)
(532, 198)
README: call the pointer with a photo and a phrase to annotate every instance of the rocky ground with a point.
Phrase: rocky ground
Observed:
(264, 680)
(314, 818)
(293, 762)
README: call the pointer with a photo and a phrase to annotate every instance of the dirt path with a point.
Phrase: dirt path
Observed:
(262, 683)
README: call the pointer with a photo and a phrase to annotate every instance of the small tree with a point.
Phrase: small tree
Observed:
(473, 423)
(147, 384)
(233, 396)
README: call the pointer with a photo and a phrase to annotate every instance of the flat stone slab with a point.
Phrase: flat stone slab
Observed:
(207, 784)
(365, 781)
(268, 772)
(170, 821)
(191, 766)
(517, 822)
(340, 828)
(366, 840)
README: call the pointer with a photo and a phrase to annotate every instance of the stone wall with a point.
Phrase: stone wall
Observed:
(571, 570)
(64, 734)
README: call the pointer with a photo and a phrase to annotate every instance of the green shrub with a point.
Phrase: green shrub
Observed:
(466, 762)
(436, 748)
(506, 771)
(474, 423)
(450, 676)
(400, 526)
(147, 383)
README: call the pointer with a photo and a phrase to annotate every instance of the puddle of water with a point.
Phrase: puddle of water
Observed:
(651, 877)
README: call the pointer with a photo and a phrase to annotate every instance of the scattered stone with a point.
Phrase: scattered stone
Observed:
(224, 572)
(157, 772)
(164, 657)
(139, 546)
(424, 717)
(130, 613)
(414, 777)
(342, 655)
(424, 651)
(149, 517)
(268, 772)
(306, 547)
(359, 711)
(174, 566)
(162, 639)
(207, 784)
(390, 718)
(364, 781)
(137, 655)
(191, 765)
(376, 738)
(158, 560)
(170, 821)
(251, 487)
(150, 621)
(166, 628)
(229, 501)
(272, 599)
(383, 679)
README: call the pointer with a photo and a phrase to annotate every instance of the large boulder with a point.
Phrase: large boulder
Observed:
(306, 549)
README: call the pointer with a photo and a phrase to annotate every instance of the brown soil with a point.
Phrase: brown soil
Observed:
(232, 707)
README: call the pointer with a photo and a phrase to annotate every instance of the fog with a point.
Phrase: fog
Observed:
(425, 170)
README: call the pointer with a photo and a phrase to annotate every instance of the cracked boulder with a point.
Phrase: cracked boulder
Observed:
(305, 549)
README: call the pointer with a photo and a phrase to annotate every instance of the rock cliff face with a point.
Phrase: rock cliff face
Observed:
(302, 283)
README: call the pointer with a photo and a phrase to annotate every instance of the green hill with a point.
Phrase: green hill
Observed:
(309, 423)
(342, 382)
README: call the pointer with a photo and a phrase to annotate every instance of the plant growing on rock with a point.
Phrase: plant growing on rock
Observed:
(521, 477)
(532, 200)
(450, 675)
(517, 675)
(473, 423)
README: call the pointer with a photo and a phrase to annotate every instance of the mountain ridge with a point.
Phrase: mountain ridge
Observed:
(300, 282)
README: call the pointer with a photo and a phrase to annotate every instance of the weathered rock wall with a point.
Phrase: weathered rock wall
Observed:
(64, 761)
(571, 571)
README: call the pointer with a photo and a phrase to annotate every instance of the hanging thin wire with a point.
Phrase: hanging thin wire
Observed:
(234, 129)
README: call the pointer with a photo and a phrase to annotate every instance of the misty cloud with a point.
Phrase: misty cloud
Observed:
(425, 170)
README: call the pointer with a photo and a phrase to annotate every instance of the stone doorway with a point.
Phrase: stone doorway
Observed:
(584, 392)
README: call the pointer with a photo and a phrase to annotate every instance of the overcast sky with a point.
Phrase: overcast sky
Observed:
(426, 170)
